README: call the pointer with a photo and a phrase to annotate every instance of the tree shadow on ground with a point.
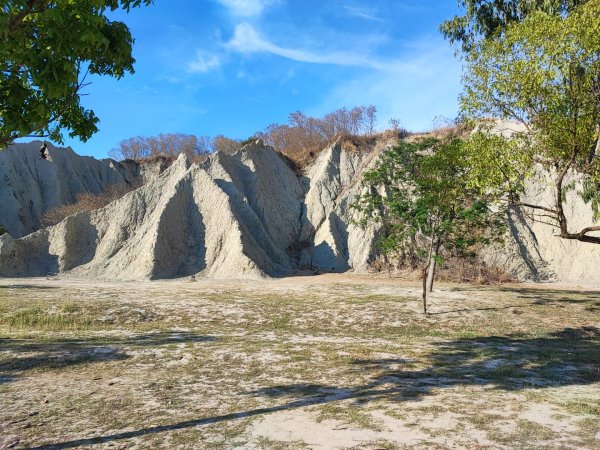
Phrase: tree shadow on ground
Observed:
(511, 363)
(492, 308)
(28, 286)
(27, 354)
(590, 300)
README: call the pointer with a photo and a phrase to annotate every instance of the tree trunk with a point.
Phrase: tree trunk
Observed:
(427, 270)
(596, 150)
(432, 264)
(386, 260)
(424, 277)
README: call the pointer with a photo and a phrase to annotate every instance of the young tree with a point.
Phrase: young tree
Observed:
(418, 194)
(487, 19)
(544, 73)
(46, 50)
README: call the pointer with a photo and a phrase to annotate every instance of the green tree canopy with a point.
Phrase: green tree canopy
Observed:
(46, 49)
(489, 18)
(419, 195)
(545, 74)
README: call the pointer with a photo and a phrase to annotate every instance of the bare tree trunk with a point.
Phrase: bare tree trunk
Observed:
(424, 277)
(386, 260)
(426, 271)
(432, 264)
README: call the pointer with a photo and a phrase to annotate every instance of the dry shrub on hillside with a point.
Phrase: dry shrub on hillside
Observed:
(452, 130)
(304, 136)
(87, 202)
(226, 145)
(163, 161)
(169, 145)
(368, 142)
(460, 270)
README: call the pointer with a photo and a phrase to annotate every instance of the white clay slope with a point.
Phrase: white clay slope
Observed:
(250, 215)
(231, 217)
(29, 185)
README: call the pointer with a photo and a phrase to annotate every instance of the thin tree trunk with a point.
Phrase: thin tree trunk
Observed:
(426, 270)
(386, 260)
(424, 277)
(432, 265)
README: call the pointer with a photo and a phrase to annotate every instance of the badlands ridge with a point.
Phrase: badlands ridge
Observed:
(244, 215)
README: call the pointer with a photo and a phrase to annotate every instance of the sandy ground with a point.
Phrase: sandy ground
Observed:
(326, 362)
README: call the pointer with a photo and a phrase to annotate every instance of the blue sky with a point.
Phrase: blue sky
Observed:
(232, 67)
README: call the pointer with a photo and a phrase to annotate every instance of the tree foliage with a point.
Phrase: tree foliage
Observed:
(487, 19)
(419, 195)
(47, 48)
(544, 73)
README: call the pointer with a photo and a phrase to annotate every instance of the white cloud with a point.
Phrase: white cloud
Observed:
(246, 8)
(204, 63)
(424, 86)
(362, 13)
(247, 40)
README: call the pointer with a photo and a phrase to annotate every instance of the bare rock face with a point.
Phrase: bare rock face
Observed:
(533, 251)
(244, 215)
(29, 185)
(332, 241)
(232, 217)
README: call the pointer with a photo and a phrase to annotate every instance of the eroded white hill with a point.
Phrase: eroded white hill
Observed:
(245, 215)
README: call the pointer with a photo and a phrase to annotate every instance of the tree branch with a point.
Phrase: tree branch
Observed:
(543, 208)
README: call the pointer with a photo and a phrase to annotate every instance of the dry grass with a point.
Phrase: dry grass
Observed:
(87, 202)
(453, 270)
(298, 363)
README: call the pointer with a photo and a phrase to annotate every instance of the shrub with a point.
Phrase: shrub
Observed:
(169, 145)
(87, 202)
(226, 145)
(3, 230)
(304, 136)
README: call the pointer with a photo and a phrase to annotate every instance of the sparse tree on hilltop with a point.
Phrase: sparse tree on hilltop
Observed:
(172, 145)
(304, 135)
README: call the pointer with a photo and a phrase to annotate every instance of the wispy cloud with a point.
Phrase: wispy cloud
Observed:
(429, 88)
(204, 63)
(362, 13)
(247, 40)
(246, 8)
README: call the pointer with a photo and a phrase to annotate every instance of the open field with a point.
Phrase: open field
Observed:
(307, 362)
